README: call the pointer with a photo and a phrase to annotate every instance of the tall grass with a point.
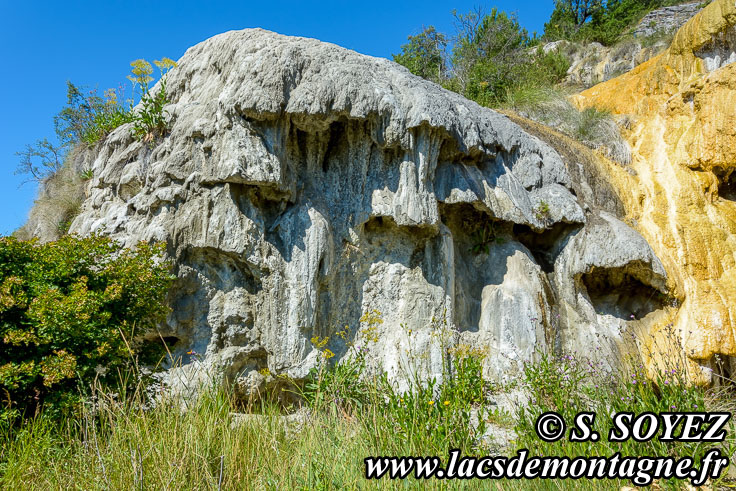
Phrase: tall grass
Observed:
(593, 127)
(346, 415)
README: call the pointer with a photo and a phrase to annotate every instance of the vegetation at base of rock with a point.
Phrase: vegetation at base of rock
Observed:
(123, 443)
(430, 414)
(570, 384)
(73, 312)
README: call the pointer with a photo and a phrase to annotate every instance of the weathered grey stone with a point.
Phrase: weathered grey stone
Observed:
(303, 185)
(607, 278)
(667, 19)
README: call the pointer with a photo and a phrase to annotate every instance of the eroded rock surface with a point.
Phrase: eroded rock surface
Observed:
(304, 186)
(682, 108)
(667, 19)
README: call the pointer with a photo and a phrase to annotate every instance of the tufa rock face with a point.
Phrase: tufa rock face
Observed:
(593, 63)
(304, 187)
(682, 108)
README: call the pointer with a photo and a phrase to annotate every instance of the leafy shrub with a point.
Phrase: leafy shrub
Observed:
(491, 55)
(486, 56)
(596, 20)
(424, 55)
(71, 312)
(89, 118)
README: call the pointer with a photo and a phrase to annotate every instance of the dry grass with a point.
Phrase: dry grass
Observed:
(593, 127)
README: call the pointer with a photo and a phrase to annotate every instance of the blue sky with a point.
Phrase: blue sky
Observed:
(44, 44)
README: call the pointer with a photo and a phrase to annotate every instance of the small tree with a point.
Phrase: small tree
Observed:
(569, 16)
(488, 54)
(40, 160)
(425, 55)
(71, 312)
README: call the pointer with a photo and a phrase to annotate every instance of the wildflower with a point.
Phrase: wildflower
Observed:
(447, 403)
(430, 403)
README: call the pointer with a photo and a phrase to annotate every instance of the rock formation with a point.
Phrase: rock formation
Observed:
(667, 19)
(682, 107)
(592, 63)
(304, 187)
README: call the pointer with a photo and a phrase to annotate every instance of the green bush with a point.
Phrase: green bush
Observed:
(89, 118)
(73, 312)
(424, 55)
(491, 56)
(596, 20)
(488, 56)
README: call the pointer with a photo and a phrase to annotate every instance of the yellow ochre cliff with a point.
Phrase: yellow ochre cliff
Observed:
(680, 109)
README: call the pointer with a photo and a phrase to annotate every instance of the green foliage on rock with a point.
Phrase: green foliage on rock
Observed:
(149, 121)
(597, 20)
(89, 118)
(72, 312)
(488, 56)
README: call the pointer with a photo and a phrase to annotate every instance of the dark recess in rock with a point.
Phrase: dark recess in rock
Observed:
(615, 291)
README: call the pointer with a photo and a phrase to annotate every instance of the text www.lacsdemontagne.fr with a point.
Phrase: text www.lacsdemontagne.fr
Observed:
(641, 471)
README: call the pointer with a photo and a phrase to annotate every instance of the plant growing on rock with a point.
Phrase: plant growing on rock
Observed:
(482, 238)
(542, 212)
(72, 312)
(149, 121)
(88, 118)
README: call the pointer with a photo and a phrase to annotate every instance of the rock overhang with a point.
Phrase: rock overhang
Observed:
(303, 185)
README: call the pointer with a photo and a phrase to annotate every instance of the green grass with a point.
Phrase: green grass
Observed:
(346, 414)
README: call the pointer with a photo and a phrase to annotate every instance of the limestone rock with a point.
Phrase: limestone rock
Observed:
(666, 19)
(305, 190)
